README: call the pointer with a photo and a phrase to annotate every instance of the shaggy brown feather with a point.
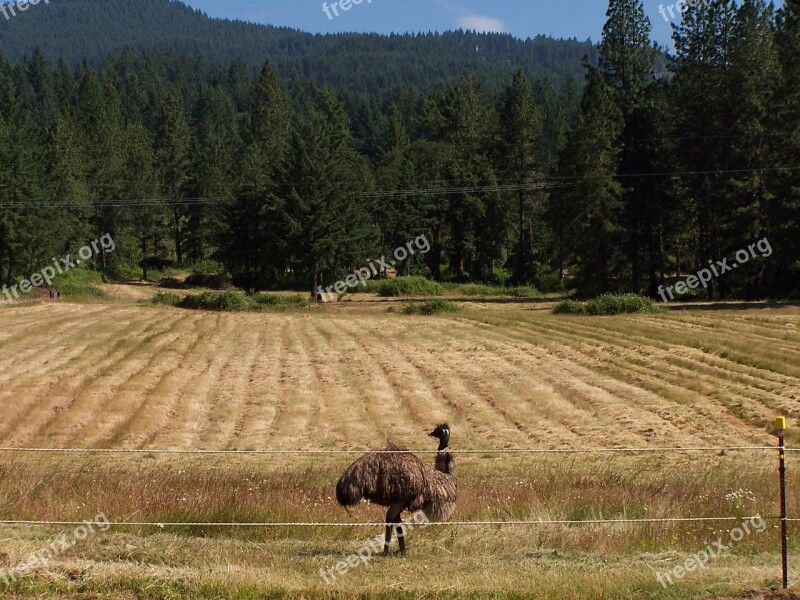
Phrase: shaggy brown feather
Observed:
(401, 478)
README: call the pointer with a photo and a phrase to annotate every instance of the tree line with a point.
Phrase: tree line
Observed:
(675, 173)
(621, 184)
(88, 30)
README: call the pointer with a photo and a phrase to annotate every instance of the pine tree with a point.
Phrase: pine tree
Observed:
(148, 223)
(67, 179)
(520, 130)
(595, 205)
(398, 217)
(172, 155)
(752, 79)
(255, 239)
(702, 111)
(331, 234)
(784, 213)
(64, 85)
(627, 59)
(212, 168)
(477, 223)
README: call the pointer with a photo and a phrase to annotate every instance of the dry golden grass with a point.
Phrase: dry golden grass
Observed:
(351, 376)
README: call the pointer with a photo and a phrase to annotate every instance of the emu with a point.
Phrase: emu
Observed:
(402, 481)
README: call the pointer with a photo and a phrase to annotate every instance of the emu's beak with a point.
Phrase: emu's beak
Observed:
(432, 433)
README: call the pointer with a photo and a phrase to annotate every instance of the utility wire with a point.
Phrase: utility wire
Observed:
(554, 182)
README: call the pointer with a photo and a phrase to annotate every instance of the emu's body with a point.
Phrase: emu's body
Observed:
(401, 481)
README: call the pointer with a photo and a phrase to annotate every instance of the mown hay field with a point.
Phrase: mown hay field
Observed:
(506, 374)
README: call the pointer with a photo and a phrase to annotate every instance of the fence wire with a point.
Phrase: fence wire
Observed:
(381, 524)
(168, 451)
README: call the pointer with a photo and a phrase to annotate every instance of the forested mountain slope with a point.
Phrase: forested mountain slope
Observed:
(91, 29)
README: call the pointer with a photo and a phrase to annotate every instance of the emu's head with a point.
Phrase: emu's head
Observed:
(442, 433)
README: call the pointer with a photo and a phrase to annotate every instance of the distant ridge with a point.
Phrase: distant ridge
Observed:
(92, 29)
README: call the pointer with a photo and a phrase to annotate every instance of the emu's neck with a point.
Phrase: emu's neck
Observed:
(445, 462)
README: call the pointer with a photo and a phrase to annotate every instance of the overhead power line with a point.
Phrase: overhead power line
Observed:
(554, 182)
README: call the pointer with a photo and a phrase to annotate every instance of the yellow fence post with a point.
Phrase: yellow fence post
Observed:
(780, 425)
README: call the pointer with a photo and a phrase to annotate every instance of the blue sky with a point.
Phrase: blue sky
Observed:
(582, 19)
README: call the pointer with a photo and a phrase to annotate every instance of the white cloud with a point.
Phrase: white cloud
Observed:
(482, 24)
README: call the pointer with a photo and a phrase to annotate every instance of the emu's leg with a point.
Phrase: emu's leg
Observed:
(387, 543)
(392, 519)
(401, 537)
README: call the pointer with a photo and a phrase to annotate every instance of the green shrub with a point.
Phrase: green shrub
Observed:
(549, 281)
(123, 272)
(523, 291)
(570, 307)
(169, 298)
(79, 276)
(430, 308)
(79, 283)
(474, 289)
(408, 286)
(232, 301)
(229, 300)
(609, 304)
(481, 289)
(159, 274)
(372, 286)
(276, 302)
(205, 267)
(80, 290)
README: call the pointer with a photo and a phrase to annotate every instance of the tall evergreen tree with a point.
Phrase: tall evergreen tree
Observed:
(702, 115)
(627, 58)
(595, 205)
(460, 115)
(784, 213)
(255, 243)
(172, 154)
(331, 233)
(520, 130)
(146, 222)
(752, 78)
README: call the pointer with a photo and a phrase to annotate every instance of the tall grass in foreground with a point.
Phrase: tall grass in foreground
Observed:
(492, 487)
(551, 562)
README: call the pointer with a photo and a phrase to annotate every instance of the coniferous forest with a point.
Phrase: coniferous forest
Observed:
(621, 172)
